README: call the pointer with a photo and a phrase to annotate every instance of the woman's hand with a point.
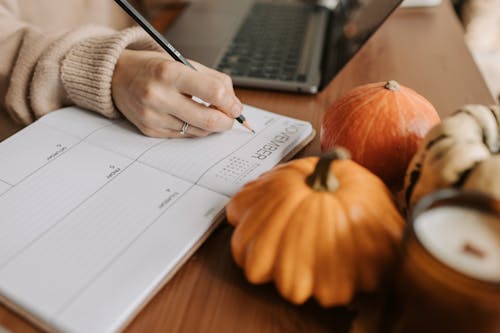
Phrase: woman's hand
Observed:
(154, 92)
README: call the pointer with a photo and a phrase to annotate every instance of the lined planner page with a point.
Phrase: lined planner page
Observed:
(120, 245)
(31, 207)
(21, 157)
(94, 215)
(261, 153)
(72, 212)
(4, 187)
(224, 162)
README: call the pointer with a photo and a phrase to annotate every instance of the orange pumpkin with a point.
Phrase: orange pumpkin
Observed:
(382, 124)
(317, 227)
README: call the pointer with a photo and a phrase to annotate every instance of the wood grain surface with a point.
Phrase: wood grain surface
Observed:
(421, 48)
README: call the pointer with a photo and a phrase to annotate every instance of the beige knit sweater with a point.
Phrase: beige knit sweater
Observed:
(55, 53)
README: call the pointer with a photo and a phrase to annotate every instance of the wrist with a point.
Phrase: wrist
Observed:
(88, 69)
(122, 67)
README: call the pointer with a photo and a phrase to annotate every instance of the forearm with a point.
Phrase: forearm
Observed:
(40, 72)
(14, 36)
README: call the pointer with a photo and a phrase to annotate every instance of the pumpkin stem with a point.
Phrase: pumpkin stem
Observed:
(322, 179)
(392, 85)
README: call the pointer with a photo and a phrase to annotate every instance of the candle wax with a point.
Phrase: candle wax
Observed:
(465, 239)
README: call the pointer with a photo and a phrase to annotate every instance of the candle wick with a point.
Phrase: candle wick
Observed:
(470, 249)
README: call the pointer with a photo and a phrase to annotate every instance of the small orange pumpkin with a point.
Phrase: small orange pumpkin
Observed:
(318, 227)
(382, 125)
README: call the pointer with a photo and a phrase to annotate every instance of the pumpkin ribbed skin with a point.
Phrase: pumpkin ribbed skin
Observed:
(485, 177)
(326, 244)
(382, 125)
(459, 152)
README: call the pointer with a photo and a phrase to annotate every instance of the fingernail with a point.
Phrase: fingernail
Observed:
(236, 109)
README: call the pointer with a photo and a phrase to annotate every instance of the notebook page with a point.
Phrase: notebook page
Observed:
(117, 136)
(75, 121)
(43, 141)
(23, 156)
(33, 206)
(4, 187)
(95, 215)
(143, 266)
(123, 138)
(256, 156)
(221, 161)
(211, 161)
(67, 224)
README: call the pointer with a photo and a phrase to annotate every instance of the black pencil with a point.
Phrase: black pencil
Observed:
(162, 41)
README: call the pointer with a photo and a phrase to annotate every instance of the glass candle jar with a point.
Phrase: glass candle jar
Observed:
(449, 277)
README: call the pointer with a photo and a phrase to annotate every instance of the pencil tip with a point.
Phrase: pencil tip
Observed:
(247, 125)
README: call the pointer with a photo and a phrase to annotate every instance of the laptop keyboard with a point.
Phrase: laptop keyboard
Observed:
(269, 43)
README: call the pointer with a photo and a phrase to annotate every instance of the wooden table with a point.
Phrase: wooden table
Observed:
(421, 48)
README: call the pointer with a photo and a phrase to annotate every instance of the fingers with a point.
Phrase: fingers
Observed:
(161, 125)
(195, 114)
(226, 79)
(211, 86)
(198, 115)
(154, 93)
(174, 129)
(191, 132)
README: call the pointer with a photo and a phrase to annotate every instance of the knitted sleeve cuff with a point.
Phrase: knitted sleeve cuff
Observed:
(87, 69)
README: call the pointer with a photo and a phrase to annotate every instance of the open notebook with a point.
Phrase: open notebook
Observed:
(95, 217)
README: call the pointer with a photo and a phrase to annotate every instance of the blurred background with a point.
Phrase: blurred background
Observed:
(480, 20)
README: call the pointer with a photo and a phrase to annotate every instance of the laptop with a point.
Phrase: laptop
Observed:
(282, 45)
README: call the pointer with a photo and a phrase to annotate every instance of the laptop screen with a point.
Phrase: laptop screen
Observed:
(351, 24)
